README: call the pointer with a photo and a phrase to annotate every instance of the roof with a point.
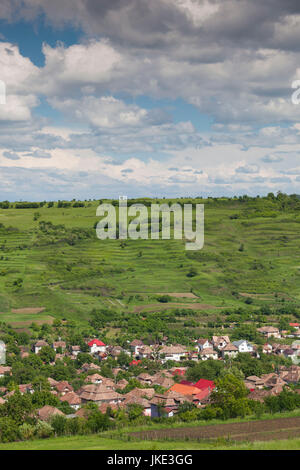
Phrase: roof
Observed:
(98, 393)
(135, 362)
(180, 371)
(176, 349)
(184, 389)
(268, 329)
(136, 342)
(61, 386)
(206, 351)
(202, 394)
(47, 411)
(72, 398)
(203, 384)
(241, 341)
(41, 343)
(97, 342)
(230, 347)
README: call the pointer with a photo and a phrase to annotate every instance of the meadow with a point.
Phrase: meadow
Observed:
(50, 257)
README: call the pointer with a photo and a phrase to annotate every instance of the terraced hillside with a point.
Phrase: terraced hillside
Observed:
(50, 257)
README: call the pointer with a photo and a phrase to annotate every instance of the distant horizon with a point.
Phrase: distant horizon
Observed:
(103, 198)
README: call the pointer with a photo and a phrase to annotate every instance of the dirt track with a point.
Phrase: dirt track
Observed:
(264, 430)
(169, 305)
(28, 310)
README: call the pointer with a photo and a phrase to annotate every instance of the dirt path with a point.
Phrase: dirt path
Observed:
(168, 305)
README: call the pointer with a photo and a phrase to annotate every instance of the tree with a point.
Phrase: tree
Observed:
(209, 370)
(8, 430)
(135, 411)
(47, 354)
(230, 396)
(18, 407)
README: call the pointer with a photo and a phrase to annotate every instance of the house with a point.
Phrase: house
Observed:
(63, 387)
(162, 380)
(143, 402)
(115, 351)
(208, 353)
(295, 325)
(135, 345)
(230, 350)
(26, 388)
(184, 389)
(169, 401)
(59, 345)
(178, 371)
(269, 331)
(87, 367)
(96, 346)
(145, 352)
(204, 384)
(253, 382)
(203, 344)
(220, 342)
(73, 399)
(52, 382)
(122, 384)
(291, 354)
(172, 353)
(141, 397)
(46, 412)
(243, 346)
(39, 345)
(75, 350)
(5, 370)
(267, 348)
(145, 379)
(94, 379)
(99, 394)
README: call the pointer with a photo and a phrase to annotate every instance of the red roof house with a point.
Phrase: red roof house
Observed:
(203, 384)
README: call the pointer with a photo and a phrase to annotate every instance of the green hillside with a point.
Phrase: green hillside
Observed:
(50, 257)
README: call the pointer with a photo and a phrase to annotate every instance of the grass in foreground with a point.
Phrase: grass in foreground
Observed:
(95, 442)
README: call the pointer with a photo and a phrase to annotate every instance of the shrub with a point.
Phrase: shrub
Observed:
(44, 430)
(26, 431)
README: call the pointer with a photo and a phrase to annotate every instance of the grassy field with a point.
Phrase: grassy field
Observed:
(121, 439)
(95, 442)
(69, 278)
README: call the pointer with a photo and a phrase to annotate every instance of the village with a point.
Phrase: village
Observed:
(159, 391)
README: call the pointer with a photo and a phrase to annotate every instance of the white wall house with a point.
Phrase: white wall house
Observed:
(243, 346)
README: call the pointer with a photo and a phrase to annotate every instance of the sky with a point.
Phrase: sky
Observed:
(148, 98)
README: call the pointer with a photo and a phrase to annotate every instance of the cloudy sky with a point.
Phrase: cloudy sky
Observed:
(148, 98)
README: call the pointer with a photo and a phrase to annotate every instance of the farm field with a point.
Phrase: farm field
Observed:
(68, 271)
(262, 430)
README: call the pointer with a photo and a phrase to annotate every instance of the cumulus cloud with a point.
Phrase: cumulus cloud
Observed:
(232, 60)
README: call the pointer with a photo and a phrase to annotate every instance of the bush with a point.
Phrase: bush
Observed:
(44, 430)
(58, 423)
(8, 430)
(27, 431)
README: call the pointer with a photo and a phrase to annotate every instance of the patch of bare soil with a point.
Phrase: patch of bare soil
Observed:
(280, 428)
(188, 295)
(168, 305)
(28, 310)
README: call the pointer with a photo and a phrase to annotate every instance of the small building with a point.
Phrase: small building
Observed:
(243, 346)
(96, 346)
(269, 331)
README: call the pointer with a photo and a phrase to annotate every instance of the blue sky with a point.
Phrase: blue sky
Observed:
(183, 97)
